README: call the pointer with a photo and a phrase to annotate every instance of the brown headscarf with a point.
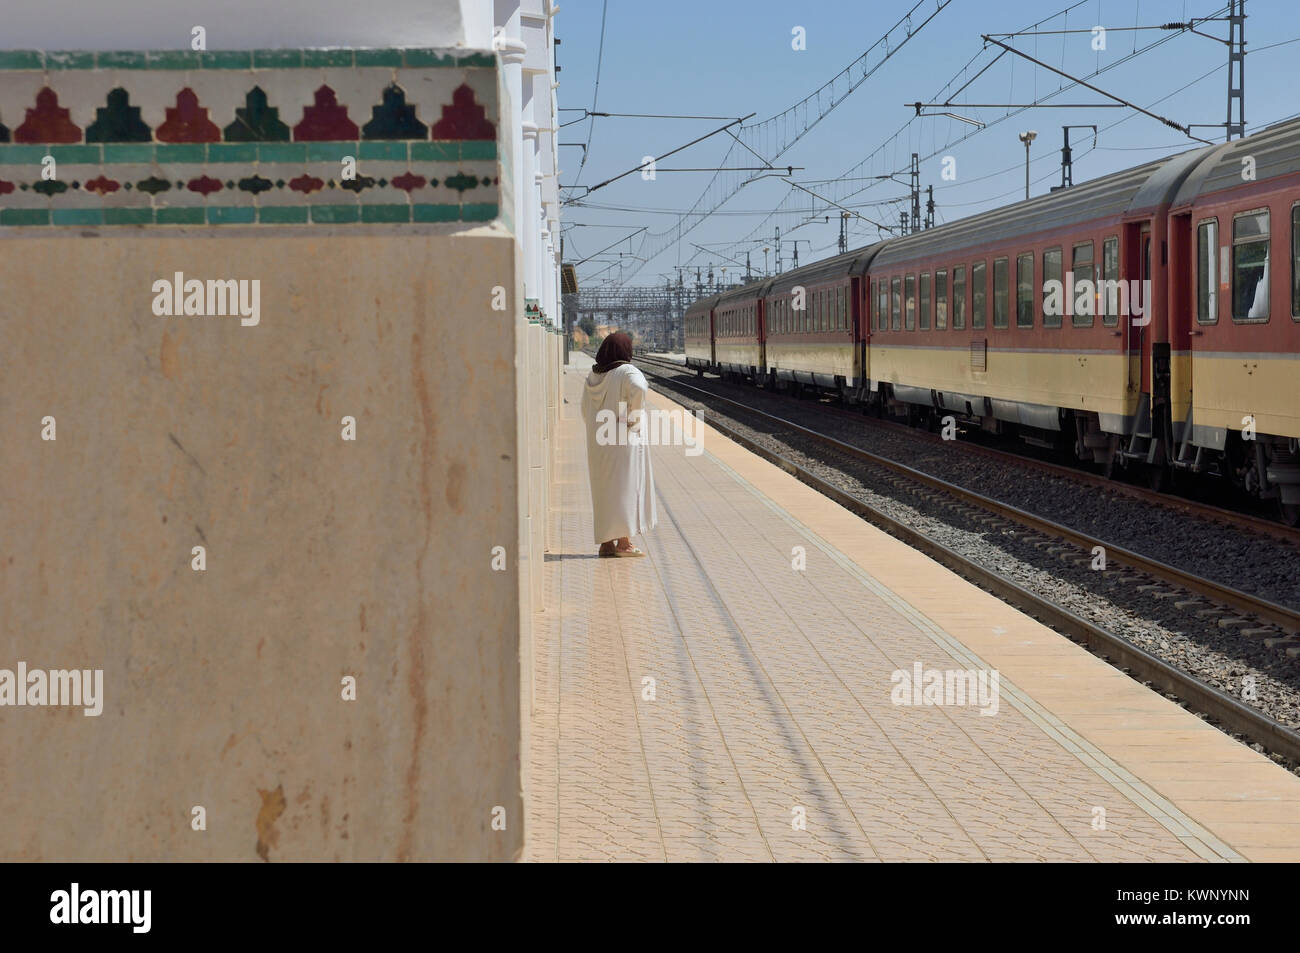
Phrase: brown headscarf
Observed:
(614, 350)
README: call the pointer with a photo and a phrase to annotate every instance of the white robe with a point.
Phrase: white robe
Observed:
(618, 455)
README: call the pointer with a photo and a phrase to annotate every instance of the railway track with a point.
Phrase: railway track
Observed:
(1207, 600)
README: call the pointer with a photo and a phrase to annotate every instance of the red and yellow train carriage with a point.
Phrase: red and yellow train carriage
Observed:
(698, 334)
(1235, 323)
(813, 328)
(738, 332)
(1005, 318)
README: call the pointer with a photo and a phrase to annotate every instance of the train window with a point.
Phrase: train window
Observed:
(844, 312)
(1052, 310)
(895, 310)
(1001, 293)
(1109, 272)
(1295, 262)
(823, 311)
(978, 295)
(1207, 272)
(959, 298)
(940, 300)
(882, 304)
(1250, 267)
(1082, 267)
(909, 303)
(1025, 290)
(923, 317)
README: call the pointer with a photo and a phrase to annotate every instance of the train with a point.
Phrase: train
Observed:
(1133, 322)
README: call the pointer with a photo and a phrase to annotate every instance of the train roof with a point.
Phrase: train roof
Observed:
(703, 304)
(849, 263)
(1143, 187)
(754, 289)
(1276, 151)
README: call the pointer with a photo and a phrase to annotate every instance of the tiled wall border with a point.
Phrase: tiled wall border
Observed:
(446, 165)
(375, 214)
(111, 153)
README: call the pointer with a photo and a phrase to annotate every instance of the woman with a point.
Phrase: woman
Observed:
(618, 456)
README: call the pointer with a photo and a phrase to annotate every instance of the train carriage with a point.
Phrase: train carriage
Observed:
(814, 316)
(1004, 318)
(1235, 229)
(698, 334)
(738, 332)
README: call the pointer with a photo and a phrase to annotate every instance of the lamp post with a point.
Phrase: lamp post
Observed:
(1027, 138)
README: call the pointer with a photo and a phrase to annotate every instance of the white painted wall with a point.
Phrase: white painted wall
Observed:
(245, 24)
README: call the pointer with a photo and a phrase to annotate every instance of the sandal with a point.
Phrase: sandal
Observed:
(628, 553)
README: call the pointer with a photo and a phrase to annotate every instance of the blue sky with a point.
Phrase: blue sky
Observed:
(734, 57)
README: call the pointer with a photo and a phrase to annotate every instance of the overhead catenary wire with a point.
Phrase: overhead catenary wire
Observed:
(894, 139)
(930, 144)
(595, 92)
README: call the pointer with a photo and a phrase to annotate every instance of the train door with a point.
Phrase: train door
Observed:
(1136, 339)
(761, 308)
(713, 338)
(1180, 280)
(1145, 446)
(862, 329)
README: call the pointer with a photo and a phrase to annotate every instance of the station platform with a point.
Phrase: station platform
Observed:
(776, 728)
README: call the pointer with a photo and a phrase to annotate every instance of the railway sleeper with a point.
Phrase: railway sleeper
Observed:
(1261, 632)
(1232, 622)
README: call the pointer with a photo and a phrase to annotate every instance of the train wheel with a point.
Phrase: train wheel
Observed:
(1289, 513)
(1156, 479)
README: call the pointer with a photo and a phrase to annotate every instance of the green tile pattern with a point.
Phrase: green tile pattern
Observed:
(153, 175)
(199, 153)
